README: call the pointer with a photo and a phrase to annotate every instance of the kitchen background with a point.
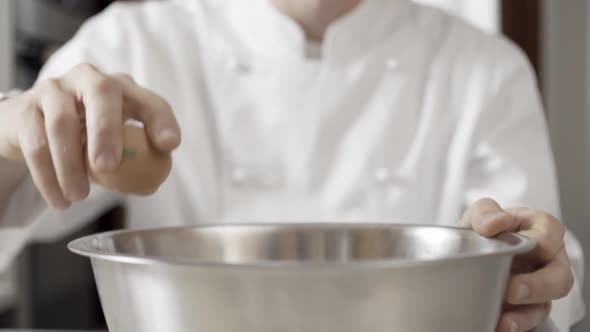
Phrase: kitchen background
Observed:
(50, 288)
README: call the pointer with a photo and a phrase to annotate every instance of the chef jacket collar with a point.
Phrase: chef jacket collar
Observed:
(266, 31)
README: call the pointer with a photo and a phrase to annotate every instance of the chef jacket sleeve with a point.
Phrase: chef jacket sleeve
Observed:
(26, 216)
(512, 162)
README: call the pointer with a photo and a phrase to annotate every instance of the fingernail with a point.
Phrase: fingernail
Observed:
(522, 292)
(168, 136)
(106, 161)
(80, 193)
(513, 327)
(487, 218)
(74, 196)
(62, 205)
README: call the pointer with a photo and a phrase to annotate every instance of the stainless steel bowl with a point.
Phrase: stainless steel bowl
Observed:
(301, 277)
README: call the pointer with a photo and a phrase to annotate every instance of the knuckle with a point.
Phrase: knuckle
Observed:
(104, 85)
(62, 121)
(36, 148)
(124, 77)
(551, 234)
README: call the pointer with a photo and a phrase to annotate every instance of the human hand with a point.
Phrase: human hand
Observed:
(52, 125)
(538, 277)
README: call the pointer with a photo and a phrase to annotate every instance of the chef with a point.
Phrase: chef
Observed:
(316, 110)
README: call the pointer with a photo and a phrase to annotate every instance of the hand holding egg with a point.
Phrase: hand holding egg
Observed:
(142, 170)
(46, 126)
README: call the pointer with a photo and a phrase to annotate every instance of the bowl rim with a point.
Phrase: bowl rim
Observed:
(517, 244)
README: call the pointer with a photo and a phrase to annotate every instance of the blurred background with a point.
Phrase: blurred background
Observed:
(50, 288)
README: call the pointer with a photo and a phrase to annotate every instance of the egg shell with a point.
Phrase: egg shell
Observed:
(143, 169)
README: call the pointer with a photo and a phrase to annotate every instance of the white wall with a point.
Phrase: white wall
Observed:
(566, 72)
(6, 46)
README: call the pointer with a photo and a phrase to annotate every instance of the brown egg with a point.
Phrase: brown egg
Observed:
(142, 170)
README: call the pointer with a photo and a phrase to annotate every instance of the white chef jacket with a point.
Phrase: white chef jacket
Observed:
(408, 115)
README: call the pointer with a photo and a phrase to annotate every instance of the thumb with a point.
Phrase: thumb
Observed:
(488, 218)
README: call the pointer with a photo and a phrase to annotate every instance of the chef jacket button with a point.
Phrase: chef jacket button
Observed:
(241, 67)
(391, 64)
(382, 175)
(239, 176)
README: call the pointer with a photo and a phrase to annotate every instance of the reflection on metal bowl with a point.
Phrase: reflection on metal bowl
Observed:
(301, 277)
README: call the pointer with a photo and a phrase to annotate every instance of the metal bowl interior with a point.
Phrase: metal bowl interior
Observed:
(292, 245)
